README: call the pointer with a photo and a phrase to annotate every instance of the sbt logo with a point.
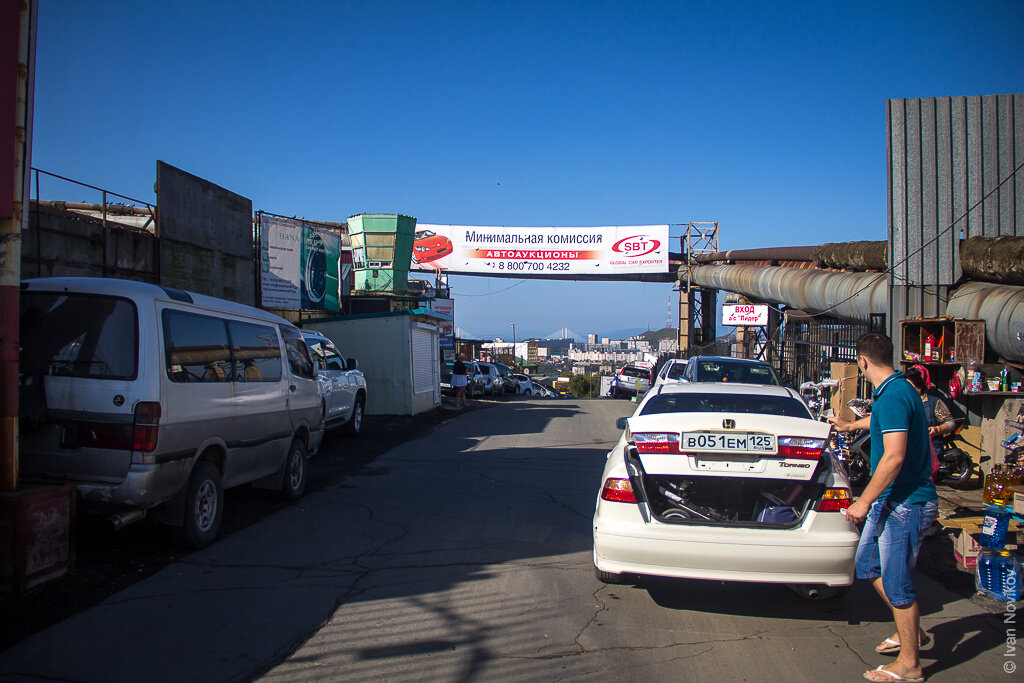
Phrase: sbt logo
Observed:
(637, 245)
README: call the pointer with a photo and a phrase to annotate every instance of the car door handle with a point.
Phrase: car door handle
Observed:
(292, 387)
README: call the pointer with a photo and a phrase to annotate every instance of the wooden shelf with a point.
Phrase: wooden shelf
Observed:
(993, 393)
(957, 342)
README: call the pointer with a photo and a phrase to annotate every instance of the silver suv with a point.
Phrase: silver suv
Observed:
(342, 384)
(631, 380)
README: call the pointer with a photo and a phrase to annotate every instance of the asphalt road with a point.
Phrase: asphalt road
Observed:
(468, 557)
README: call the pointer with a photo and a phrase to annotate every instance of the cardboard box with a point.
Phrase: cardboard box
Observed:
(966, 547)
(1018, 500)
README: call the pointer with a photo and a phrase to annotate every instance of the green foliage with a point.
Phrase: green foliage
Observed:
(584, 386)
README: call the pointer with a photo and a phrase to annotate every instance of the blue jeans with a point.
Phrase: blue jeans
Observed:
(889, 545)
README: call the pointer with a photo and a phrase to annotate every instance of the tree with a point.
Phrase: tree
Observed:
(584, 386)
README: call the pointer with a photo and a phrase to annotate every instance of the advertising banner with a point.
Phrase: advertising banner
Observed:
(739, 315)
(300, 265)
(541, 251)
(446, 307)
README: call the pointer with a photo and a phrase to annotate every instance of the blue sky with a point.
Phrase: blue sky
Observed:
(767, 117)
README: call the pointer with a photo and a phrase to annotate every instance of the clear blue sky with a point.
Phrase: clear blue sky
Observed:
(767, 117)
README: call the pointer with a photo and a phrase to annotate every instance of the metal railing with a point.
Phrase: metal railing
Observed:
(107, 209)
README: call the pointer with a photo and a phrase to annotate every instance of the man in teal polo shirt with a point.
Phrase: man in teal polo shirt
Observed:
(897, 505)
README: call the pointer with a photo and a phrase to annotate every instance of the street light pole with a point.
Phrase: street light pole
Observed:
(513, 344)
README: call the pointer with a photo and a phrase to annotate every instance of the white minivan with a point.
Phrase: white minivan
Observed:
(154, 400)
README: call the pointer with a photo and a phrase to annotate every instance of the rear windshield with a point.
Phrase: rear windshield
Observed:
(725, 371)
(79, 335)
(635, 372)
(725, 403)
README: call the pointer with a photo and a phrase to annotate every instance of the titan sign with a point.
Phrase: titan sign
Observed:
(541, 251)
(300, 265)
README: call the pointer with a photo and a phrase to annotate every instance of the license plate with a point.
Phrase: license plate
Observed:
(728, 442)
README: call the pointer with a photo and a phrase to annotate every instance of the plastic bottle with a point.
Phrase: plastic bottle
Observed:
(992, 480)
(1009, 576)
(1004, 378)
(993, 529)
(929, 345)
(973, 380)
(985, 573)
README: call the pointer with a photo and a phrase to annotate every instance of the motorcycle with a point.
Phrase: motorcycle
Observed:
(955, 464)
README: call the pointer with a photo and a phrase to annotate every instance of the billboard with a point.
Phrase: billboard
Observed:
(738, 315)
(300, 265)
(489, 250)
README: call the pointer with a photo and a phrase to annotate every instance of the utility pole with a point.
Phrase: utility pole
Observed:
(17, 69)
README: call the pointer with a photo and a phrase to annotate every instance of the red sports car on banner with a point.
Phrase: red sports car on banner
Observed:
(429, 246)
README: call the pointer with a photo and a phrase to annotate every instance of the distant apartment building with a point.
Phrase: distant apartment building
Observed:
(591, 338)
(606, 340)
(668, 346)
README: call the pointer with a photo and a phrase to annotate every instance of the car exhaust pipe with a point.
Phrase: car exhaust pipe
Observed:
(817, 591)
(119, 520)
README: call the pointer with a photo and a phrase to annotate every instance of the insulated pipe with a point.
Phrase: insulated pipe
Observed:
(767, 254)
(1002, 309)
(851, 296)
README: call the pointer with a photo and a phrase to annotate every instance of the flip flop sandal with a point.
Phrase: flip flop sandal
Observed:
(890, 676)
(891, 647)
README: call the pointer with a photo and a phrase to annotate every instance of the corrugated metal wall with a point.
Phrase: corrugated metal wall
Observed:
(952, 173)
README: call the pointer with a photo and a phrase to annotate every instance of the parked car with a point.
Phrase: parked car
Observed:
(152, 400)
(541, 390)
(508, 384)
(726, 369)
(672, 371)
(631, 380)
(342, 384)
(490, 382)
(725, 482)
(523, 385)
(478, 382)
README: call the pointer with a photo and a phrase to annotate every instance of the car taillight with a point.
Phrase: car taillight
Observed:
(147, 421)
(618, 490)
(835, 500)
(656, 442)
(800, 448)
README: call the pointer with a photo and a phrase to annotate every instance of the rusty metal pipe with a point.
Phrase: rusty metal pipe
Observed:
(1002, 309)
(767, 254)
(851, 296)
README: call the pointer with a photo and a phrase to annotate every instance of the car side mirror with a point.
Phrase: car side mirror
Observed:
(351, 364)
(621, 423)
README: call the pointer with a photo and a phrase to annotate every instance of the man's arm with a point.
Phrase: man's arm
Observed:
(844, 425)
(888, 467)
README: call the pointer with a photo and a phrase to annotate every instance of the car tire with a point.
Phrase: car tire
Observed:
(296, 472)
(527, 393)
(204, 506)
(610, 578)
(354, 426)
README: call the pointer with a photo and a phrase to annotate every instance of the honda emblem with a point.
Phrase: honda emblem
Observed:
(729, 424)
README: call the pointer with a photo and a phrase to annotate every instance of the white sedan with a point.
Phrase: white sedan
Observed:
(725, 482)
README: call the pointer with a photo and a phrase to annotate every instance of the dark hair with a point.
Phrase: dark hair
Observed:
(916, 377)
(876, 347)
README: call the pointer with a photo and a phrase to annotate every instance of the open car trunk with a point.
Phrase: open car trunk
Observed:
(728, 501)
(770, 484)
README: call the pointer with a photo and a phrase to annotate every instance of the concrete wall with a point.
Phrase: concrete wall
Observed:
(383, 347)
(206, 236)
(62, 243)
